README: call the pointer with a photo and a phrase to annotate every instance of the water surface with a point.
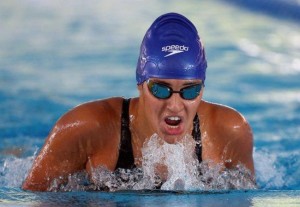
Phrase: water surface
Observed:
(57, 55)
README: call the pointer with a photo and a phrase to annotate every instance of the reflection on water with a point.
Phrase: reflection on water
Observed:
(284, 199)
(150, 198)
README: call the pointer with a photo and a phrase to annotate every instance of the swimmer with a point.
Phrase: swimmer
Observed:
(170, 75)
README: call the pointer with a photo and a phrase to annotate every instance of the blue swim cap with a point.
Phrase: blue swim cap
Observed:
(171, 49)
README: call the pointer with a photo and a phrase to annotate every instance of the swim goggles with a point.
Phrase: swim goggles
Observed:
(162, 91)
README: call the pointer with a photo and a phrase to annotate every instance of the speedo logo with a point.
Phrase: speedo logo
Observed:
(174, 49)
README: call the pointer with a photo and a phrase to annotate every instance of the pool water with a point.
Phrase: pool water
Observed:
(54, 56)
(15, 197)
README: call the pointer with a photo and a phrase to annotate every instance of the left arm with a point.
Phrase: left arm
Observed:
(238, 148)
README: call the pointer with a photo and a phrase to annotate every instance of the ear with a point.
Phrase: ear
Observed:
(201, 93)
(140, 88)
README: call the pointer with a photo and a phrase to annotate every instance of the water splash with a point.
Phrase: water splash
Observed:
(166, 167)
(184, 172)
(277, 171)
(13, 171)
(273, 171)
(177, 161)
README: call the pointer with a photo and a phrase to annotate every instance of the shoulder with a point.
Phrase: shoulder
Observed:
(87, 128)
(229, 135)
(88, 121)
(229, 138)
(225, 126)
(224, 116)
(94, 111)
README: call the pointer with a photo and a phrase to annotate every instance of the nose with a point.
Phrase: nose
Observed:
(175, 103)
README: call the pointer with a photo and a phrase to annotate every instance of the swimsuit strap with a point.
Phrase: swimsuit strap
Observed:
(126, 159)
(196, 133)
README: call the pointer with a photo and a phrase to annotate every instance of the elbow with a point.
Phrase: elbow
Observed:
(33, 187)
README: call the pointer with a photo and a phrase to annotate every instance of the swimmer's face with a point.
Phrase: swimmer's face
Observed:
(170, 118)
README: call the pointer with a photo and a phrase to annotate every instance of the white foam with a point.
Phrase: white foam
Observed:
(267, 173)
(180, 171)
(14, 171)
(179, 161)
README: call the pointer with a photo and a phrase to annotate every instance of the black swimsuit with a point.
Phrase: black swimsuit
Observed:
(126, 159)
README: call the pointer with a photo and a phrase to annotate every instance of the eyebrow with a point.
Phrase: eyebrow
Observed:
(192, 83)
(185, 84)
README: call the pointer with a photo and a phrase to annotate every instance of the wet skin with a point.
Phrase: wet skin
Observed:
(88, 136)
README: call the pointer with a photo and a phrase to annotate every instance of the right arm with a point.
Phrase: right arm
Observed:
(78, 139)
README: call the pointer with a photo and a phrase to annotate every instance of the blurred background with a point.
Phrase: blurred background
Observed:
(56, 54)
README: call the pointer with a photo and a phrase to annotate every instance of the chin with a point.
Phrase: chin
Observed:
(172, 139)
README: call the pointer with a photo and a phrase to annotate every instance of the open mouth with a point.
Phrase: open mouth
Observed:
(173, 120)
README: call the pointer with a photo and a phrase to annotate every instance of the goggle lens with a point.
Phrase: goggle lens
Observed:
(191, 92)
(162, 91)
